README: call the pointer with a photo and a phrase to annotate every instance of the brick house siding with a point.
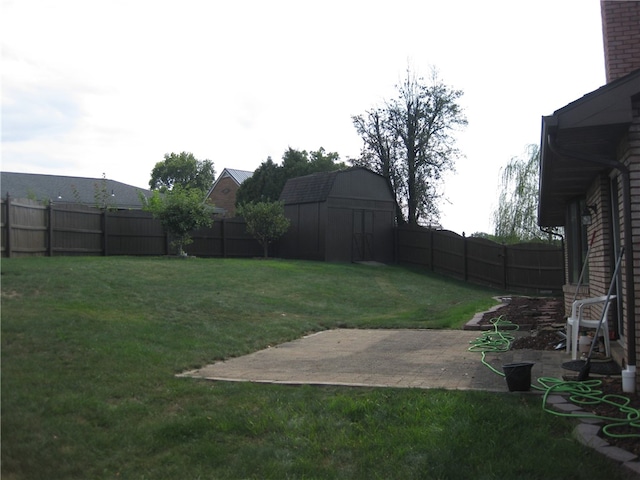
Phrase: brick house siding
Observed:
(589, 149)
(222, 193)
(631, 158)
(223, 196)
(621, 37)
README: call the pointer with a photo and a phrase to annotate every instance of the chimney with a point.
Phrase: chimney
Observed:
(621, 37)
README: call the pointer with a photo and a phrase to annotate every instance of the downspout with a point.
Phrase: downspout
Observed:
(628, 243)
(550, 231)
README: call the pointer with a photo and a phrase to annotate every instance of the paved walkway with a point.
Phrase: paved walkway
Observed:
(383, 358)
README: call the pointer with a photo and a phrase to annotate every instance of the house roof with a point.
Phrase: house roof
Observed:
(579, 142)
(58, 188)
(238, 176)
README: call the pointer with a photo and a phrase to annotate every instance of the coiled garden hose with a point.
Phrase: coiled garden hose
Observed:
(494, 341)
(583, 393)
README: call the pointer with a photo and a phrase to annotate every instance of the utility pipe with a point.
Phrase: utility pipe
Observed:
(628, 243)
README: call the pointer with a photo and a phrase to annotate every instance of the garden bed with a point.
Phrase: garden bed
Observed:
(543, 319)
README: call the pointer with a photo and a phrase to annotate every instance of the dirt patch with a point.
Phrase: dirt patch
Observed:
(543, 320)
(528, 312)
(10, 294)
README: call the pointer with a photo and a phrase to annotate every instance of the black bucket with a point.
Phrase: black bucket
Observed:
(518, 376)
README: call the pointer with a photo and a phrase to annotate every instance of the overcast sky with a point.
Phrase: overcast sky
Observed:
(109, 86)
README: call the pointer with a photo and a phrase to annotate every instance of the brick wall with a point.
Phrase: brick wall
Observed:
(224, 196)
(621, 37)
(631, 158)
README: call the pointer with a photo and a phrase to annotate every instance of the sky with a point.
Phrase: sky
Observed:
(108, 87)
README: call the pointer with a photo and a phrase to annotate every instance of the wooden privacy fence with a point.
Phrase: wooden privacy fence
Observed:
(524, 267)
(29, 228)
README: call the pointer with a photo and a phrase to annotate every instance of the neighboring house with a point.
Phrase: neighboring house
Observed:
(223, 191)
(346, 216)
(92, 192)
(590, 163)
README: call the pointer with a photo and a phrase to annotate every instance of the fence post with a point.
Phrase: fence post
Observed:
(504, 267)
(104, 233)
(465, 260)
(8, 226)
(223, 241)
(50, 230)
(431, 256)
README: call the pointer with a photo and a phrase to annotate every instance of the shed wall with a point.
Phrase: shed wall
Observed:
(359, 230)
(360, 184)
(306, 235)
(353, 223)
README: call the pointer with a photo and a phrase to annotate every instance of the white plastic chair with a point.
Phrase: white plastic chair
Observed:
(576, 322)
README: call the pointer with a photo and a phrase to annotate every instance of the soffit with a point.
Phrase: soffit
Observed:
(579, 143)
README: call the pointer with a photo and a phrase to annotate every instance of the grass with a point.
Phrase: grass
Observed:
(90, 347)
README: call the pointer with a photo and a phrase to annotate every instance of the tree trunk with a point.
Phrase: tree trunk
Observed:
(412, 201)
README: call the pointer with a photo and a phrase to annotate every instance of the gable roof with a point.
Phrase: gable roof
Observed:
(238, 176)
(59, 188)
(588, 128)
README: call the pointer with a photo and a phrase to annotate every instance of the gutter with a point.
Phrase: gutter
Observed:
(628, 243)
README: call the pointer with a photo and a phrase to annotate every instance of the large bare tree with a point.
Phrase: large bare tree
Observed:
(410, 142)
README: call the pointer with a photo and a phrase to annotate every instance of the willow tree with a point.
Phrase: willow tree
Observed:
(410, 141)
(516, 218)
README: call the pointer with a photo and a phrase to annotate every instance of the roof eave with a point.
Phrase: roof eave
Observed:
(576, 140)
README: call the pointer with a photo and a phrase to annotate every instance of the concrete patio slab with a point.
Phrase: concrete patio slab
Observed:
(382, 358)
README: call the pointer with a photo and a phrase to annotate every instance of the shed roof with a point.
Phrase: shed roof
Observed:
(69, 189)
(317, 187)
(579, 142)
(309, 188)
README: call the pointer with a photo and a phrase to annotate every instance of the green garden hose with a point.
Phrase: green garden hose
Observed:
(587, 393)
(494, 341)
(583, 393)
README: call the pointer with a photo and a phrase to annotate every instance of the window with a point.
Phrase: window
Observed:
(576, 242)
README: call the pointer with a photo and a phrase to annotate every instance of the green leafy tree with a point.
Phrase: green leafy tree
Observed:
(410, 142)
(264, 185)
(320, 161)
(180, 211)
(267, 181)
(182, 170)
(515, 218)
(266, 222)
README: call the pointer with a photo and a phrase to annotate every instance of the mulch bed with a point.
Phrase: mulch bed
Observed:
(543, 318)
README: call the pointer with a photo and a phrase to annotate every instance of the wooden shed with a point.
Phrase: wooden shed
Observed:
(341, 216)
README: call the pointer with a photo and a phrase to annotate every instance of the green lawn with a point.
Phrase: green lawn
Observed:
(91, 346)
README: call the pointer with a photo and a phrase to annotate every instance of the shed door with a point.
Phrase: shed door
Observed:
(362, 239)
